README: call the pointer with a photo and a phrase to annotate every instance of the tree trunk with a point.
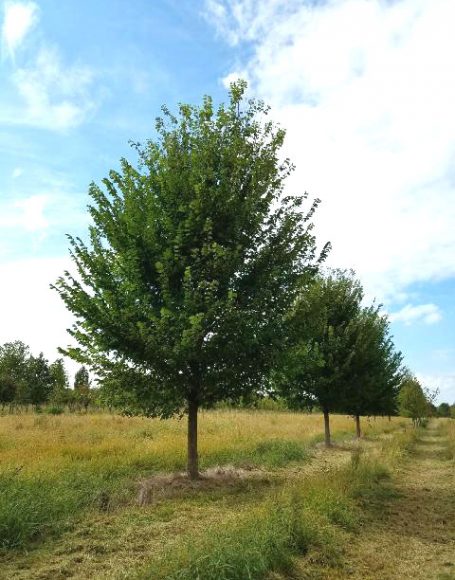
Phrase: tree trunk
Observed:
(358, 431)
(193, 460)
(328, 442)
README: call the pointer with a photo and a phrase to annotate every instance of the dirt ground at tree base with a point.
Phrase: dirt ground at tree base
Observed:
(413, 536)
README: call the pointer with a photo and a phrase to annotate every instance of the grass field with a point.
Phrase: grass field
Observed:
(71, 488)
(411, 534)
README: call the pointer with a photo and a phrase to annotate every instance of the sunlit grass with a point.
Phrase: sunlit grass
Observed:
(59, 471)
(449, 431)
(314, 515)
(44, 444)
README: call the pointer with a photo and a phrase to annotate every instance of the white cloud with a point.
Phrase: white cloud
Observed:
(49, 92)
(27, 213)
(40, 205)
(19, 18)
(426, 313)
(56, 96)
(29, 308)
(32, 216)
(234, 77)
(30, 219)
(240, 20)
(366, 92)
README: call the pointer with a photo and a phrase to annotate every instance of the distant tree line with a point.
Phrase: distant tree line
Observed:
(29, 380)
(26, 379)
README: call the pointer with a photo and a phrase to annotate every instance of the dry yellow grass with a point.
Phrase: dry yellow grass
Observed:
(103, 452)
(39, 443)
(450, 431)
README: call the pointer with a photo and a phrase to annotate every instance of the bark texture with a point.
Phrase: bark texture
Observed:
(193, 459)
(328, 441)
(358, 431)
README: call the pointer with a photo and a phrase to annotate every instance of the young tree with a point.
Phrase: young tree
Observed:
(375, 368)
(81, 379)
(82, 394)
(83, 397)
(443, 410)
(194, 259)
(317, 365)
(39, 380)
(60, 383)
(412, 400)
(14, 358)
(7, 389)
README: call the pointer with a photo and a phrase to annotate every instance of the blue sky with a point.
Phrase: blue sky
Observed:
(365, 89)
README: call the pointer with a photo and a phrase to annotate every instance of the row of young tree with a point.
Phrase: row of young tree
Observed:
(201, 281)
(340, 354)
(32, 380)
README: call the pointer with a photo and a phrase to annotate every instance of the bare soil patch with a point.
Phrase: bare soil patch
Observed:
(158, 487)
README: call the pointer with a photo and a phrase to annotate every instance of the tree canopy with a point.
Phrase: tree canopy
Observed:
(14, 357)
(318, 360)
(413, 400)
(375, 368)
(81, 379)
(26, 379)
(340, 353)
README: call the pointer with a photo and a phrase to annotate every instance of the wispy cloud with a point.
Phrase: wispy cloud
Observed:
(49, 92)
(426, 313)
(18, 19)
(244, 20)
(366, 92)
(55, 96)
(38, 207)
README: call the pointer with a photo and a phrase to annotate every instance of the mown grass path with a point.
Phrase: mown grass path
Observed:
(412, 535)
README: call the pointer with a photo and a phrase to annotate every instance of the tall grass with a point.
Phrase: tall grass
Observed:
(266, 538)
(53, 468)
(32, 507)
(296, 519)
(449, 431)
(53, 443)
